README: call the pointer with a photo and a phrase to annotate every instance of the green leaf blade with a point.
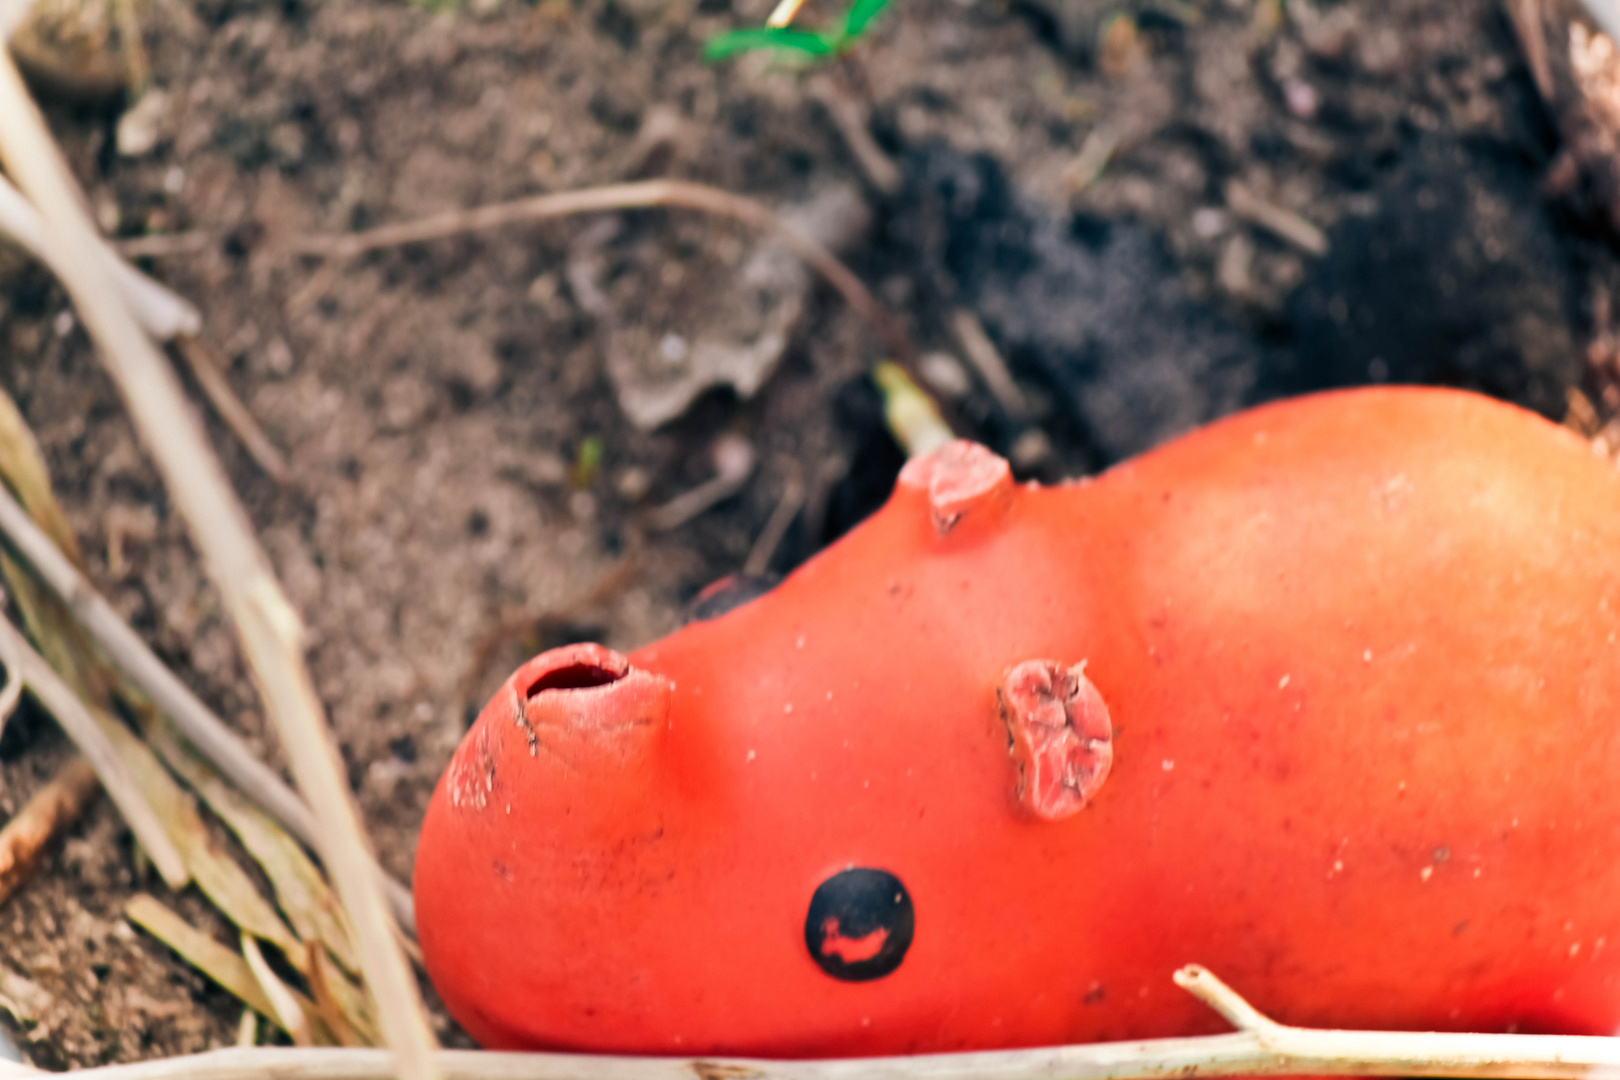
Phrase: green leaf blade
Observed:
(860, 16)
(804, 43)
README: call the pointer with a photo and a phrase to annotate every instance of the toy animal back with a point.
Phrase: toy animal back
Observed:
(1322, 696)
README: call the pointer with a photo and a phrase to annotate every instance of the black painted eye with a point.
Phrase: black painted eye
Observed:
(860, 924)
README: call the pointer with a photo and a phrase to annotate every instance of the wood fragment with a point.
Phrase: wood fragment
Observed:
(912, 416)
(1095, 153)
(52, 809)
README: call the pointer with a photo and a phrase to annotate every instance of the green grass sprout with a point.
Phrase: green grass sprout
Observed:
(807, 46)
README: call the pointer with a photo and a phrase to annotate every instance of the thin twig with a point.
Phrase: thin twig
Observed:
(784, 13)
(161, 312)
(1204, 985)
(1277, 220)
(987, 361)
(11, 693)
(204, 365)
(853, 121)
(1261, 1048)
(270, 632)
(734, 464)
(52, 809)
(13, 13)
(644, 194)
(776, 527)
(137, 663)
(137, 66)
(75, 719)
(160, 245)
(291, 1018)
(1526, 18)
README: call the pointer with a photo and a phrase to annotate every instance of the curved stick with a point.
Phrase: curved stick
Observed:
(643, 194)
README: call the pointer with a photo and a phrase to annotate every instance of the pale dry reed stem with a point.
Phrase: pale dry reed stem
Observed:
(270, 632)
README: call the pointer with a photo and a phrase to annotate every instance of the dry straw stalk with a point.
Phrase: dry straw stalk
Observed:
(269, 630)
(1260, 1047)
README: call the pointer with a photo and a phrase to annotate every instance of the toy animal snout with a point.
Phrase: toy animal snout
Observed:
(588, 700)
(581, 712)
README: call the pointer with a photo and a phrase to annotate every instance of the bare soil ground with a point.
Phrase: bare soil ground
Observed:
(432, 400)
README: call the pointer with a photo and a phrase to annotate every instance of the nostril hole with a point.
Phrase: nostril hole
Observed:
(575, 677)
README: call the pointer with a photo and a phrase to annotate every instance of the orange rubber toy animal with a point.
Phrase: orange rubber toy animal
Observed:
(1325, 696)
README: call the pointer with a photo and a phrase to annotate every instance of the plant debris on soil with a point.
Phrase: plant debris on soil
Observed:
(1217, 212)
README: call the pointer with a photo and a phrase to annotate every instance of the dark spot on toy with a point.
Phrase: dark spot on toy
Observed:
(860, 924)
(729, 594)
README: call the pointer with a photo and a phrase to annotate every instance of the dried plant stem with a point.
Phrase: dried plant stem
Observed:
(1603, 13)
(987, 361)
(776, 527)
(853, 121)
(784, 13)
(74, 717)
(12, 15)
(137, 663)
(161, 312)
(644, 194)
(270, 632)
(204, 365)
(1277, 220)
(11, 692)
(1260, 1047)
(53, 808)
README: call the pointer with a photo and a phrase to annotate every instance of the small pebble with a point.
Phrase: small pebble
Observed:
(1031, 450)
(945, 375)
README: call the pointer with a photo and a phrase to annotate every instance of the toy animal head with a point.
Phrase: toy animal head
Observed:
(1322, 696)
